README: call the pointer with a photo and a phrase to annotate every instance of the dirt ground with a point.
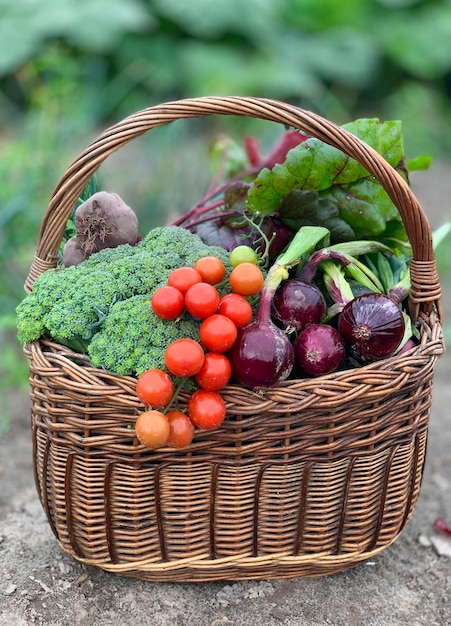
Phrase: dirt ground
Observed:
(407, 584)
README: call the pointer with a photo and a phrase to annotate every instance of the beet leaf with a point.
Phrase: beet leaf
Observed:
(314, 166)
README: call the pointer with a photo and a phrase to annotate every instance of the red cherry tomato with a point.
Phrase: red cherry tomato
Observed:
(237, 308)
(183, 278)
(218, 333)
(184, 357)
(167, 302)
(152, 429)
(215, 372)
(202, 300)
(206, 409)
(211, 269)
(181, 429)
(155, 388)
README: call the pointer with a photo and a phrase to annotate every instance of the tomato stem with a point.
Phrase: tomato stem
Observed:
(178, 388)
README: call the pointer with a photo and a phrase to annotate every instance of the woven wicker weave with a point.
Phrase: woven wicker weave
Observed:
(310, 479)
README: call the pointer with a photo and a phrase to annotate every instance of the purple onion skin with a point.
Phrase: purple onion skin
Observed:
(372, 325)
(410, 343)
(261, 356)
(296, 304)
(319, 349)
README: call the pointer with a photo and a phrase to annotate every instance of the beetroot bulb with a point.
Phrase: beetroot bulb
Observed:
(262, 354)
(105, 221)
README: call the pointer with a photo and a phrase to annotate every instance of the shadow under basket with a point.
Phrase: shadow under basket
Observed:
(311, 478)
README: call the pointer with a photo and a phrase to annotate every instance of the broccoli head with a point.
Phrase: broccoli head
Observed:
(74, 305)
(133, 339)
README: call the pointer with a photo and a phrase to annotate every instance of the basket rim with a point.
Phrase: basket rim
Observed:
(431, 346)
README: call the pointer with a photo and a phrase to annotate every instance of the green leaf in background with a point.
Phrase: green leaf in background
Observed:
(420, 40)
(204, 18)
(95, 25)
(440, 234)
(420, 163)
(395, 237)
(317, 166)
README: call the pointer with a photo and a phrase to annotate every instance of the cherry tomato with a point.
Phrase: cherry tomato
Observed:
(154, 388)
(184, 357)
(211, 269)
(243, 254)
(181, 429)
(183, 278)
(237, 308)
(218, 333)
(206, 409)
(152, 429)
(202, 300)
(215, 372)
(167, 302)
(246, 279)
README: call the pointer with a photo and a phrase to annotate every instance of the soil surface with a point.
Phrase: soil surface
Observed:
(407, 584)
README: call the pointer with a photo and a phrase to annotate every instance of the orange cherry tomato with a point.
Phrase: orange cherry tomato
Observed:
(211, 269)
(246, 279)
(152, 429)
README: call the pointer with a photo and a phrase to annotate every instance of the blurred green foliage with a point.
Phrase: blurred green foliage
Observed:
(343, 59)
(69, 68)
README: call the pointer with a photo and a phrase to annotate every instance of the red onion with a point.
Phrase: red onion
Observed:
(296, 304)
(319, 349)
(372, 325)
(262, 354)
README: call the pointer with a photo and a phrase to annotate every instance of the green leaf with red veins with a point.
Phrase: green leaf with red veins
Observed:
(318, 166)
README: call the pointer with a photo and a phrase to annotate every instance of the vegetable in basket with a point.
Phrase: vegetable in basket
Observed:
(370, 318)
(280, 440)
(102, 221)
(102, 306)
(371, 324)
(310, 183)
(319, 349)
(262, 354)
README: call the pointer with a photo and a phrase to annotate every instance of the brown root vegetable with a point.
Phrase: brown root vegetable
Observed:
(72, 252)
(105, 221)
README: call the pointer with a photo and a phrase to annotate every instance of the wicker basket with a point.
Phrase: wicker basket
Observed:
(313, 478)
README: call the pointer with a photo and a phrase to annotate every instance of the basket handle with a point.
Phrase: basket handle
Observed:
(425, 290)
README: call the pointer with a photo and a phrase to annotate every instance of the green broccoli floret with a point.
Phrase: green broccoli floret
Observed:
(73, 305)
(189, 247)
(66, 303)
(133, 339)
